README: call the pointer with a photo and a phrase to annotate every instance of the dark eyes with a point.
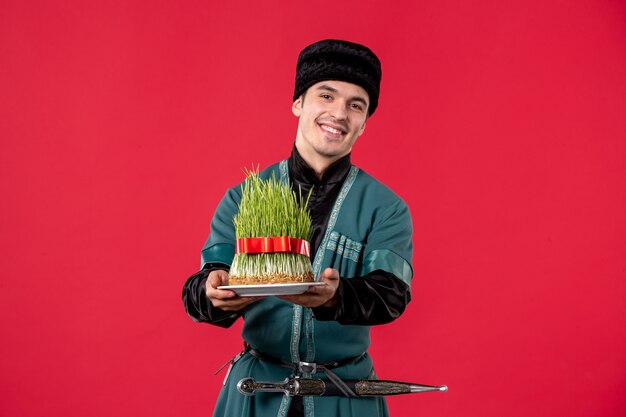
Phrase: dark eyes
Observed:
(355, 106)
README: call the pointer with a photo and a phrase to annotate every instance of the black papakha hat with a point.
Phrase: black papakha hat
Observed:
(338, 60)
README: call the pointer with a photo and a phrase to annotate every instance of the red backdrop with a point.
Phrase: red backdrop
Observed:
(501, 124)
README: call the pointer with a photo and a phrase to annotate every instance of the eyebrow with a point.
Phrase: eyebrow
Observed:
(334, 90)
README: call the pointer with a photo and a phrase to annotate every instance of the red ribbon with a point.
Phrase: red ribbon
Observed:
(272, 245)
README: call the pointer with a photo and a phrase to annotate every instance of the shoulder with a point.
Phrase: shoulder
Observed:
(376, 193)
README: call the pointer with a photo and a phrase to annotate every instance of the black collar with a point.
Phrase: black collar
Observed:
(300, 171)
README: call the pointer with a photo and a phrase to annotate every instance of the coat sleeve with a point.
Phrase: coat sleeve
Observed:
(217, 253)
(219, 247)
(376, 298)
(383, 291)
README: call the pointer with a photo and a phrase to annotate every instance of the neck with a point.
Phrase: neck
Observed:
(317, 162)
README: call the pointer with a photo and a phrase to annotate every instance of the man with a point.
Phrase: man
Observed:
(360, 247)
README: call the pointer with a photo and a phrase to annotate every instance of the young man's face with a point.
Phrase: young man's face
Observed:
(332, 116)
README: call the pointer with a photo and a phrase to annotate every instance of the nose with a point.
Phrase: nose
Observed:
(338, 110)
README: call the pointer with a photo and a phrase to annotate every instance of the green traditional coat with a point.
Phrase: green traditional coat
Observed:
(369, 228)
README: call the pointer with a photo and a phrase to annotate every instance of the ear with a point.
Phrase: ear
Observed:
(296, 107)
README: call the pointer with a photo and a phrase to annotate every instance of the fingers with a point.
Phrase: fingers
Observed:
(305, 300)
(329, 274)
(217, 278)
(331, 278)
(236, 303)
(321, 295)
(214, 280)
(226, 300)
(308, 299)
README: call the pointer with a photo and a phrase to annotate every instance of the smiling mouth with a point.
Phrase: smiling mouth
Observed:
(332, 130)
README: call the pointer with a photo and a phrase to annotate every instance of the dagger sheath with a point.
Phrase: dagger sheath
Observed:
(319, 387)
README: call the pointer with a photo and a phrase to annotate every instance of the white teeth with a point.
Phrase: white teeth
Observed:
(331, 130)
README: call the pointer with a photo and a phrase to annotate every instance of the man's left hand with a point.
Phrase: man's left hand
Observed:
(322, 295)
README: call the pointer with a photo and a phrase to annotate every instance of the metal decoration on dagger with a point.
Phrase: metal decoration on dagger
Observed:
(272, 228)
(297, 386)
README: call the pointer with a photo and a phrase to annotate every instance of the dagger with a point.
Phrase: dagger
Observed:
(297, 386)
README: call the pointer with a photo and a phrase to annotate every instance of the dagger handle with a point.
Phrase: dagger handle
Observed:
(248, 386)
(290, 386)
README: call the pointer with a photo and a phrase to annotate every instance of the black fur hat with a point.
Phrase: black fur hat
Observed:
(342, 61)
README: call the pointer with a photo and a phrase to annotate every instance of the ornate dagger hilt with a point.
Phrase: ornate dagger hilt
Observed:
(290, 386)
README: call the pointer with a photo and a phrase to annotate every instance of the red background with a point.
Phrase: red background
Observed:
(502, 124)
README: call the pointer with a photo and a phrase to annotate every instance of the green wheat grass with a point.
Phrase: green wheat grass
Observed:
(270, 208)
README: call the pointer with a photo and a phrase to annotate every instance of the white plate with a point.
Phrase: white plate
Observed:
(270, 289)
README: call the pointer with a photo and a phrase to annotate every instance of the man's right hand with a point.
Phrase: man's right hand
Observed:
(226, 300)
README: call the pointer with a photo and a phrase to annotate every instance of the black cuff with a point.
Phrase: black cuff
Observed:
(376, 298)
(198, 306)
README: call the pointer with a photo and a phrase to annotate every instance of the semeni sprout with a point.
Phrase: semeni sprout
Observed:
(270, 208)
